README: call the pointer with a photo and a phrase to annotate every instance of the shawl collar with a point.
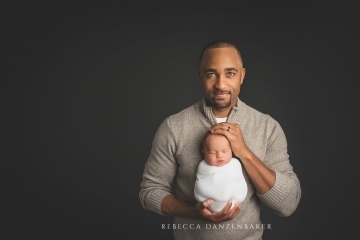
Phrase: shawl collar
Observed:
(236, 113)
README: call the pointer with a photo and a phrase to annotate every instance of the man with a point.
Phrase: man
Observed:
(256, 140)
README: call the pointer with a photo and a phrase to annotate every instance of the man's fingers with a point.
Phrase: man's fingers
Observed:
(227, 206)
(207, 203)
(203, 208)
(225, 129)
(227, 213)
(234, 211)
(225, 126)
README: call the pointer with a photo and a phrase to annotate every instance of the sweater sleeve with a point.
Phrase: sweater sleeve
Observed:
(160, 169)
(285, 195)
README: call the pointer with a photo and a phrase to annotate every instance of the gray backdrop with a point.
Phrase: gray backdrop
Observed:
(84, 87)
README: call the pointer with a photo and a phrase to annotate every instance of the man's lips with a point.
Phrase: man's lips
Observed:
(220, 94)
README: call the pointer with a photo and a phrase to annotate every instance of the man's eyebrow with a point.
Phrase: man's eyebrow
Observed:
(210, 70)
(225, 69)
(231, 69)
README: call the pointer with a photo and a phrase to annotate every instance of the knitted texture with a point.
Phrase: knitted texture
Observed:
(176, 153)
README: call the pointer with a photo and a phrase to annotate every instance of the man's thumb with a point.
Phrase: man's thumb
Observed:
(207, 203)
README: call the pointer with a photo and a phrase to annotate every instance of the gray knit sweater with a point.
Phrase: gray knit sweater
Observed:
(176, 153)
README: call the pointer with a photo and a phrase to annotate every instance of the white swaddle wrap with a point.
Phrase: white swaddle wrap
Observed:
(220, 184)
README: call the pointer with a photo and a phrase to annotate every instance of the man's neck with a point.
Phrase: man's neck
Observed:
(221, 113)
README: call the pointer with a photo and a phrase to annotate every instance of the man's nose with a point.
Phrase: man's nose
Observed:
(220, 82)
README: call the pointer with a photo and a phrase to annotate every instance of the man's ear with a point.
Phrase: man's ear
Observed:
(203, 151)
(243, 76)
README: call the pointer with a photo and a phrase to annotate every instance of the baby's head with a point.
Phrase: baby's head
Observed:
(216, 149)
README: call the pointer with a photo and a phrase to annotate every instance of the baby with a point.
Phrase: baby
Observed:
(219, 176)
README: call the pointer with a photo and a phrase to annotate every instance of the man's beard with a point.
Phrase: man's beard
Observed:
(220, 105)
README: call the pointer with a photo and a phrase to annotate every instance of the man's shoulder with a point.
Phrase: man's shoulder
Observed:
(188, 122)
(187, 113)
(255, 113)
(183, 119)
(258, 118)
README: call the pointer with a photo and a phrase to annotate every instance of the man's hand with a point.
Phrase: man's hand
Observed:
(170, 206)
(224, 215)
(233, 133)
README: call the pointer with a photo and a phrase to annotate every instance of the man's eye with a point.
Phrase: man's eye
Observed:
(210, 75)
(231, 74)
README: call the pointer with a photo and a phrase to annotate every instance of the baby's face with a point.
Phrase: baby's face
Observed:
(217, 151)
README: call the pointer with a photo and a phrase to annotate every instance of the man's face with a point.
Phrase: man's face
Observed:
(221, 73)
(217, 151)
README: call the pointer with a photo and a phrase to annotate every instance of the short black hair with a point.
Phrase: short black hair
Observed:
(220, 44)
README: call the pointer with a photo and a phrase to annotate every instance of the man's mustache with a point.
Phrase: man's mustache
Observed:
(221, 91)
